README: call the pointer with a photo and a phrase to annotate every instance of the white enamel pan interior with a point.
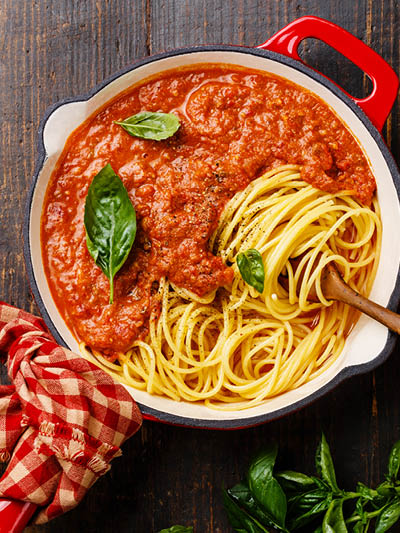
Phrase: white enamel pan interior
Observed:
(369, 343)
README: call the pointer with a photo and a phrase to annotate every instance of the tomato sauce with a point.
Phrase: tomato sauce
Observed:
(235, 125)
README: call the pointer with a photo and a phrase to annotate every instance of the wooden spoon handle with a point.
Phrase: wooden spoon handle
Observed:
(386, 317)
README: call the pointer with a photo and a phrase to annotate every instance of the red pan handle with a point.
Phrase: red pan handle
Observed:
(15, 515)
(385, 82)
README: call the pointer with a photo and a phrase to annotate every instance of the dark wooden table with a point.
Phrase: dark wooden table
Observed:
(54, 49)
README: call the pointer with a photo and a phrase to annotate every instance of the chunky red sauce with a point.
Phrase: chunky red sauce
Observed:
(235, 124)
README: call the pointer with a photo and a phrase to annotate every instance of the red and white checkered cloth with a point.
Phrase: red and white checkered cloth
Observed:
(61, 421)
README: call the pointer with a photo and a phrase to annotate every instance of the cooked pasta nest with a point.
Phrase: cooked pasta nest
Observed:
(235, 348)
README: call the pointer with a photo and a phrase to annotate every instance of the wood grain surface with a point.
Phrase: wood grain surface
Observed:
(50, 50)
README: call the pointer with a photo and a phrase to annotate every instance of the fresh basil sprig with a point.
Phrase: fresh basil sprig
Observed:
(288, 501)
(151, 125)
(251, 268)
(110, 223)
(309, 503)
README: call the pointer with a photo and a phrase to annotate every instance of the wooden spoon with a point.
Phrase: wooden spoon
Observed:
(334, 288)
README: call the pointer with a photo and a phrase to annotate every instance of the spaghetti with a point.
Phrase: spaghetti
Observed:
(234, 348)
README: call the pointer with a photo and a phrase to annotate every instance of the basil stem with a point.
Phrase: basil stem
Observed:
(149, 125)
(251, 268)
(110, 223)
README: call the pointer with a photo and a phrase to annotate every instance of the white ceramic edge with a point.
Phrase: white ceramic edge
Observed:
(368, 337)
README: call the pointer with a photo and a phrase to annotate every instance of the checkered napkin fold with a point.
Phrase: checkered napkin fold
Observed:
(61, 421)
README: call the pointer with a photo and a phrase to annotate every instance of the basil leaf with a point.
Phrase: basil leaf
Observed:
(333, 519)
(306, 500)
(265, 488)
(243, 496)
(296, 522)
(324, 464)
(388, 517)
(306, 506)
(149, 125)
(386, 490)
(313, 496)
(239, 519)
(110, 223)
(177, 529)
(394, 461)
(251, 268)
(294, 481)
